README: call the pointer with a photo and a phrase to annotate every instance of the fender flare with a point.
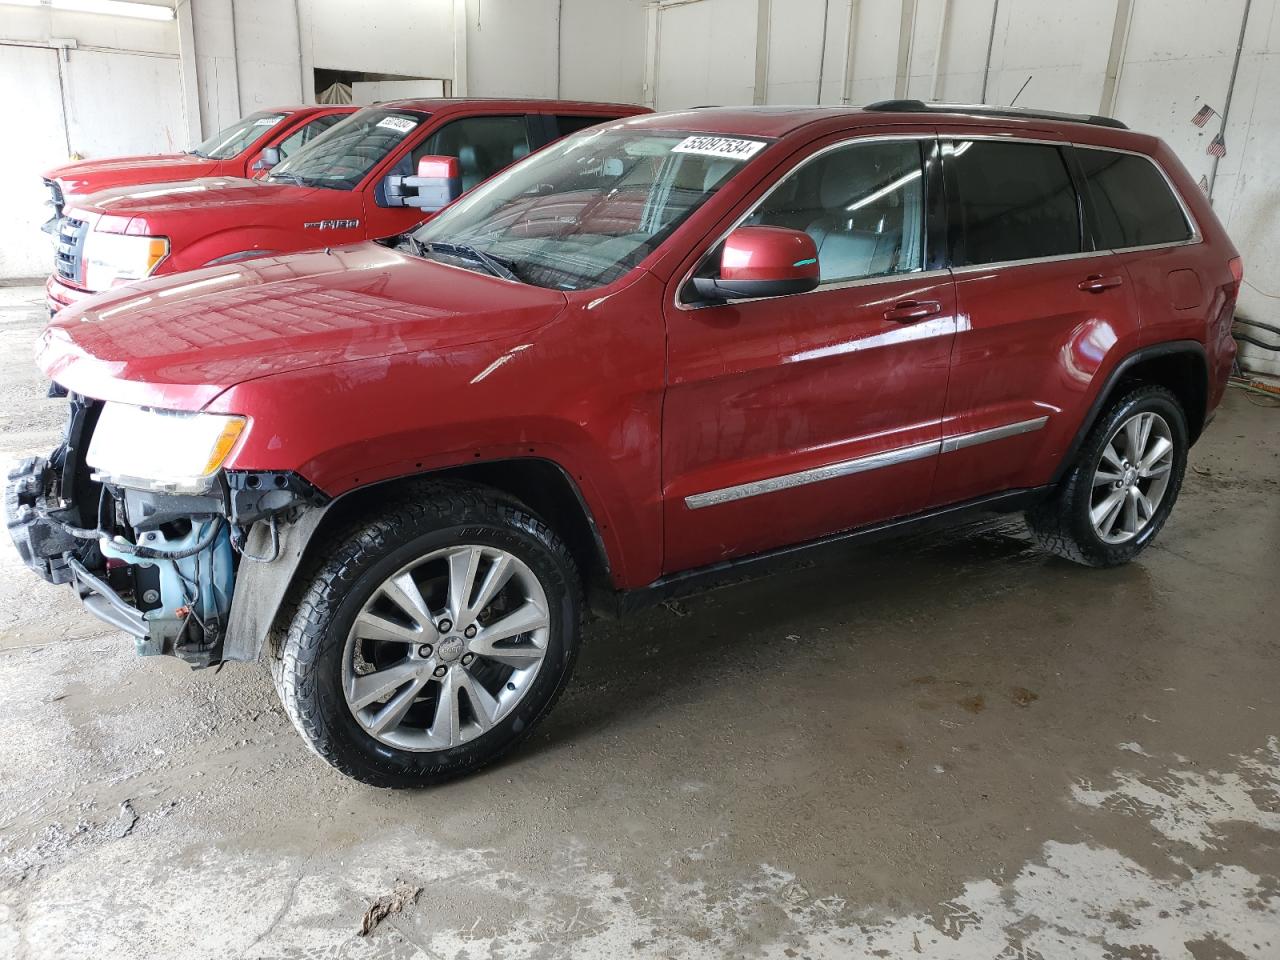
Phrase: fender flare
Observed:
(1192, 347)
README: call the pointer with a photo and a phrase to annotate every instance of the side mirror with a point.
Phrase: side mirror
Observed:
(267, 159)
(762, 262)
(438, 184)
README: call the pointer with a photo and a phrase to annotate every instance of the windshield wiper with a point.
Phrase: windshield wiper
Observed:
(491, 263)
(287, 177)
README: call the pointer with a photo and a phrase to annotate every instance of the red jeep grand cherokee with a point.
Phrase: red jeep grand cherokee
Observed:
(653, 352)
(353, 183)
(247, 148)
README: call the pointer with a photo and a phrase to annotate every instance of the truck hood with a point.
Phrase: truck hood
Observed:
(90, 176)
(179, 341)
(152, 202)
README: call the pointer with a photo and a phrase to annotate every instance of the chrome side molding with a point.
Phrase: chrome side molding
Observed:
(951, 444)
(845, 468)
(831, 471)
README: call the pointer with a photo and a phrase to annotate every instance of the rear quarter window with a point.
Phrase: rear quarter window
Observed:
(1133, 205)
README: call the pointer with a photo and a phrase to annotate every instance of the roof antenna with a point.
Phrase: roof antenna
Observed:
(1020, 89)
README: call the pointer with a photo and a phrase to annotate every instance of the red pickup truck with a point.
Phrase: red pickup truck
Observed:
(348, 185)
(657, 353)
(249, 147)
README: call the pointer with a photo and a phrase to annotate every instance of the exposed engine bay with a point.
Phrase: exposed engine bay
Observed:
(159, 565)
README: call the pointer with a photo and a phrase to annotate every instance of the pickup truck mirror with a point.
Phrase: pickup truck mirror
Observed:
(762, 262)
(267, 159)
(437, 184)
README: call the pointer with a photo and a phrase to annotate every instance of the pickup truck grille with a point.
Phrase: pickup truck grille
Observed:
(70, 249)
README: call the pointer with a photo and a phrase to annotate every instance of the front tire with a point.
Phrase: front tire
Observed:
(1123, 484)
(431, 638)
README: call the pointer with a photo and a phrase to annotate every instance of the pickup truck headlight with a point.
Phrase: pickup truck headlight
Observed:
(164, 450)
(109, 257)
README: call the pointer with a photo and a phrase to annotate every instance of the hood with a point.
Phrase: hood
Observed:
(90, 176)
(161, 199)
(180, 341)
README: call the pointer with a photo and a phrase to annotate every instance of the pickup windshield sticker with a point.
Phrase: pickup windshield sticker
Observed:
(267, 121)
(730, 148)
(398, 124)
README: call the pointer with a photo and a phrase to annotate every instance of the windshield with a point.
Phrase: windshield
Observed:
(341, 156)
(227, 143)
(586, 210)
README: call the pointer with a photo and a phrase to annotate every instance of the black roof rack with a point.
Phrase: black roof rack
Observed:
(983, 110)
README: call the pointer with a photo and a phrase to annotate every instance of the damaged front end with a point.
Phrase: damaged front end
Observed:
(156, 556)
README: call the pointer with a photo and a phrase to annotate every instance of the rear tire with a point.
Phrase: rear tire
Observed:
(1123, 485)
(400, 666)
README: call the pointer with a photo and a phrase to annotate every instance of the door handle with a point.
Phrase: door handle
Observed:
(908, 311)
(1097, 283)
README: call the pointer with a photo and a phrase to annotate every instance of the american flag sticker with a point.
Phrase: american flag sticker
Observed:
(1217, 147)
(1204, 182)
(1203, 114)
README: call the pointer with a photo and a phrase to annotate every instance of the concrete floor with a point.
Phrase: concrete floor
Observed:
(949, 747)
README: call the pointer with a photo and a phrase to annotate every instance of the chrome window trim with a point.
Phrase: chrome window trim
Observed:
(1030, 261)
(845, 468)
(841, 285)
(802, 162)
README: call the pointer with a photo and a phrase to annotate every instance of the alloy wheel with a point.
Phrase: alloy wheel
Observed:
(445, 648)
(1131, 477)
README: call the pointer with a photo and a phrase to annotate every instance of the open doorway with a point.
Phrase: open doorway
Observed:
(363, 88)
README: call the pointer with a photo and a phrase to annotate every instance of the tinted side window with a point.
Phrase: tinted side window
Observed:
(1132, 202)
(483, 145)
(572, 124)
(1015, 201)
(863, 205)
(306, 133)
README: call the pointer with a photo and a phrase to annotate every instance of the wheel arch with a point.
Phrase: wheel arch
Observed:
(1181, 366)
(545, 487)
(230, 244)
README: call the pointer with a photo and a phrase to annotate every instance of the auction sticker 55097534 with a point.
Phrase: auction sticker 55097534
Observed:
(728, 148)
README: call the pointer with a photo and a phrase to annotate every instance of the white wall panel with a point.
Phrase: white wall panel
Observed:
(876, 34)
(602, 50)
(836, 51)
(1247, 191)
(24, 250)
(1062, 47)
(124, 33)
(217, 74)
(269, 72)
(120, 103)
(513, 47)
(706, 53)
(414, 39)
(964, 50)
(1172, 66)
(795, 50)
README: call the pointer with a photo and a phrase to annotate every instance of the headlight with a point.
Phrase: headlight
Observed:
(164, 450)
(109, 257)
